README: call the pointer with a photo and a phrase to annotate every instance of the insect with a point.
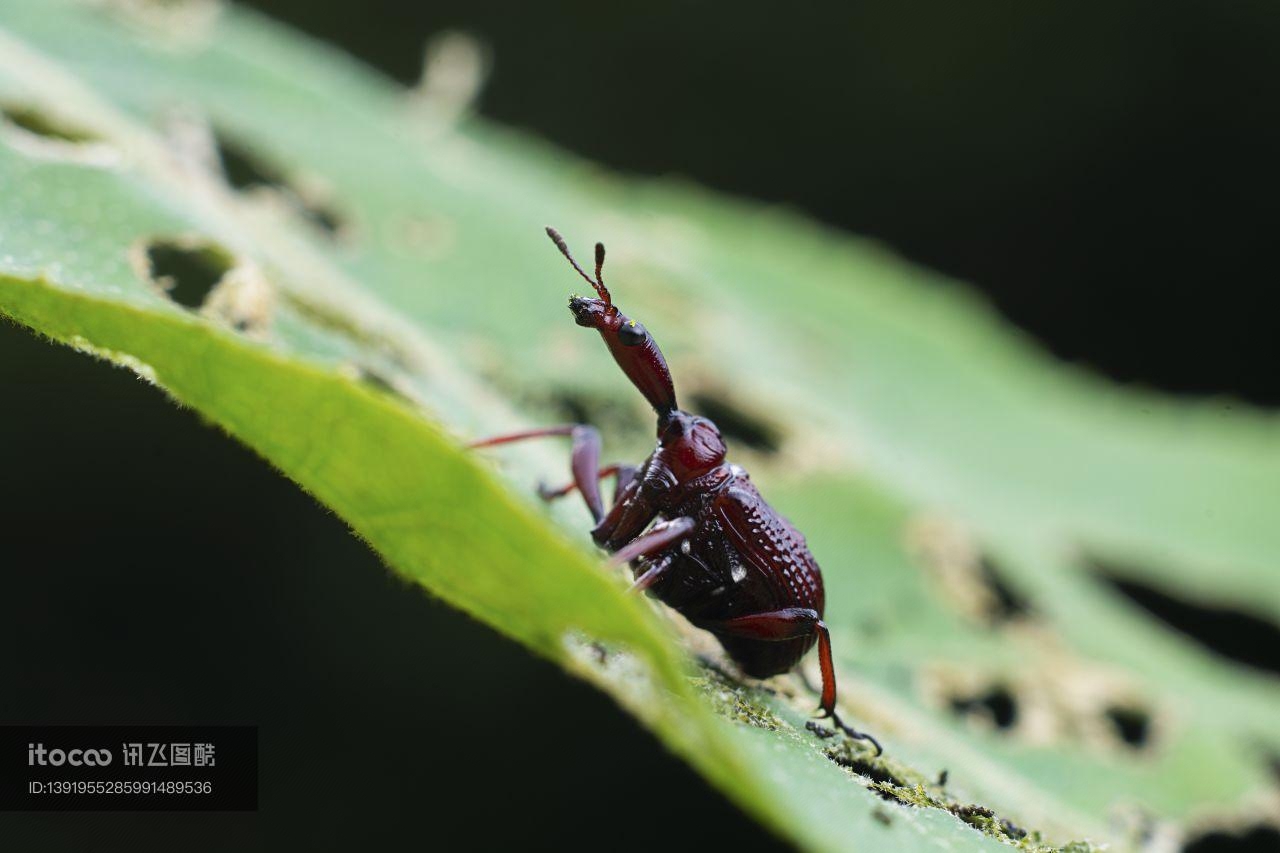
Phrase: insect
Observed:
(693, 528)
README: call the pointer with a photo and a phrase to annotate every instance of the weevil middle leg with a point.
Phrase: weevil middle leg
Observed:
(622, 474)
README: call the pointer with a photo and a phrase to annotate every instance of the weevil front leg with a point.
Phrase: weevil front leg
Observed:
(585, 458)
(657, 540)
(652, 574)
(663, 535)
(792, 623)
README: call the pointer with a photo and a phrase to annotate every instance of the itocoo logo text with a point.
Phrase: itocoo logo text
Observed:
(38, 755)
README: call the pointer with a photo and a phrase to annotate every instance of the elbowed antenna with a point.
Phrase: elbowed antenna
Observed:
(598, 281)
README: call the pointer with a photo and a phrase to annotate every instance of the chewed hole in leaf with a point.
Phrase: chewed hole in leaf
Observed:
(970, 579)
(1005, 604)
(38, 122)
(1052, 701)
(187, 270)
(247, 172)
(1258, 839)
(737, 424)
(996, 705)
(1245, 638)
(201, 275)
(613, 416)
(1132, 724)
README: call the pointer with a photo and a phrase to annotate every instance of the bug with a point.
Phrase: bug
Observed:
(694, 529)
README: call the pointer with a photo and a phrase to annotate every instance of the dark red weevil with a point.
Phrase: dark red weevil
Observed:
(694, 529)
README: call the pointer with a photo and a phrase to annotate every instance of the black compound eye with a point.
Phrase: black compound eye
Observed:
(632, 333)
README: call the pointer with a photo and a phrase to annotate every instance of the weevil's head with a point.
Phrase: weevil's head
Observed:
(593, 312)
(629, 342)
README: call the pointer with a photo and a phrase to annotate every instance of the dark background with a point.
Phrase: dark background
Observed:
(1106, 175)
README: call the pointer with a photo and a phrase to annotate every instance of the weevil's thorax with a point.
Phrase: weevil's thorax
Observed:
(687, 468)
(689, 446)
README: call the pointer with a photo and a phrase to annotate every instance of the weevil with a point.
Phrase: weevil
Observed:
(692, 526)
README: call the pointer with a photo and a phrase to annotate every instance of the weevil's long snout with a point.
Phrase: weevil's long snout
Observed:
(630, 344)
(633, 348)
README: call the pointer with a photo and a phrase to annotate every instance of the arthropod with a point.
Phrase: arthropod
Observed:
(693, 527)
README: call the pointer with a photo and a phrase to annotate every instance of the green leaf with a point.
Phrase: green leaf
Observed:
(381, 289)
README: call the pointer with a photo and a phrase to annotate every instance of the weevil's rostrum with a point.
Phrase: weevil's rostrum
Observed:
(693, 528)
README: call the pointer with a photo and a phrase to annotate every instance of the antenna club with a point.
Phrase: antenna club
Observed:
(598, 281)
(557, 239)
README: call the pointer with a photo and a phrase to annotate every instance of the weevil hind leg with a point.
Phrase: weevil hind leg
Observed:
(854, 734)
(789, 624)
(828, 702)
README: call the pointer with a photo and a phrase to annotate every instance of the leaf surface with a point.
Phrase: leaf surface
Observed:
(387, 291)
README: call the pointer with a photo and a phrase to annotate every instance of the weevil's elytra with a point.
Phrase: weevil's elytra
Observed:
(694, 529)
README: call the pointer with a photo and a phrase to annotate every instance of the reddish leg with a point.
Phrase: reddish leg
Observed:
(585, 462)
(624, 475)
(662, 536)
(651, 575)
(790, 624)
(630, 514)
